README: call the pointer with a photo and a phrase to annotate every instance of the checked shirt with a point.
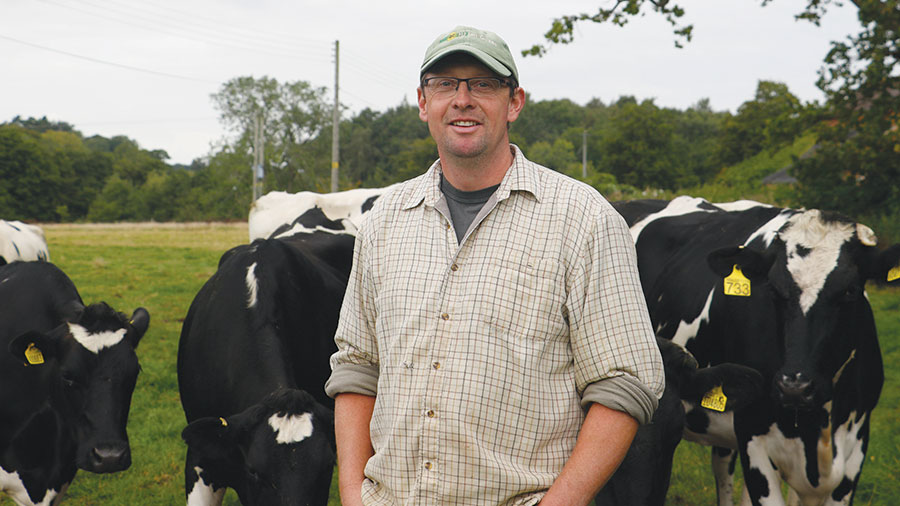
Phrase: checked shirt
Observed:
(483, 354)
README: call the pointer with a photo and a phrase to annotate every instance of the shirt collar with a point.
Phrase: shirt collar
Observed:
(522, 175)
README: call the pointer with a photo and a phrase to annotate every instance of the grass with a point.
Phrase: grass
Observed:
(162, 266)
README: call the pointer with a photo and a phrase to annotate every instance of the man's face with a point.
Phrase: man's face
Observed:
(463, 125)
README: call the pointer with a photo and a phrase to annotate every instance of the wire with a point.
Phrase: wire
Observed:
(104, 62)
(146, 121)
(186, 33)
(218, 25)
(215, 31)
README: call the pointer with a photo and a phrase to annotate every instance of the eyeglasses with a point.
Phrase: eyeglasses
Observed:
(478, 86)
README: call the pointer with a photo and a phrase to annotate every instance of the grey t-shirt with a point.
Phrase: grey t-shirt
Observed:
(464, 206)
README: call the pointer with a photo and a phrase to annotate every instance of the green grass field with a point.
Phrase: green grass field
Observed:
(162, 266)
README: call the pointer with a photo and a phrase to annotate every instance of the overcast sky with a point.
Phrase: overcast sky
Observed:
(146, 69)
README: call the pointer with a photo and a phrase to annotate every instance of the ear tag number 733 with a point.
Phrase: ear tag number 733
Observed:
(736, 283)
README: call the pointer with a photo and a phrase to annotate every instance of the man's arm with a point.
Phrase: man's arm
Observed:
(604, 440)
(352, 414)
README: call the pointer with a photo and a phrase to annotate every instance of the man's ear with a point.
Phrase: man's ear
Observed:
(35, 348)
(516, 104)
(420, 99)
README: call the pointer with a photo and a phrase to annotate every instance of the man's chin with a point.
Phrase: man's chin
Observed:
(466, 151)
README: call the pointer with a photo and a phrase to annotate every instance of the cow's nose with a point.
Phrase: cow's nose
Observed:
(108, 458)
(794, 390)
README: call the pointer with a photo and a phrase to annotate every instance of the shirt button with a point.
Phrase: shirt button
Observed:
(430, 413)
(445, 316)
(436, 365)
(454, 267)
(428, 466)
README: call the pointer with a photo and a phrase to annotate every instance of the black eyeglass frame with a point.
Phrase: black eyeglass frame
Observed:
(511, 83)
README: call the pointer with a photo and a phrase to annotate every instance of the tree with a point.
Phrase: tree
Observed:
(773, 118)
(42, 124)
(290, 115)
(857, 162)
(559, 156)
(638, 148)
(548, 119)
(82, 173)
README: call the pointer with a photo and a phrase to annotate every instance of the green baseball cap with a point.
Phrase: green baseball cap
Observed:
(486, 46)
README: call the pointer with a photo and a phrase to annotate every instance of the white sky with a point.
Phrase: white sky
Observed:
(146, 68)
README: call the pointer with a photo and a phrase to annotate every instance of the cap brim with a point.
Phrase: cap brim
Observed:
(491, 62)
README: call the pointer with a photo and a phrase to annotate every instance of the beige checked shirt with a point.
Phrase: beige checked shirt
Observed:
(482, 355)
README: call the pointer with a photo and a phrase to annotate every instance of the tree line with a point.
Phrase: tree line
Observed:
(843, 154)
(51, 172)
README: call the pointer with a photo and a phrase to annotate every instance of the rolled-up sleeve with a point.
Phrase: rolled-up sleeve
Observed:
(617, 361)
(354, 366)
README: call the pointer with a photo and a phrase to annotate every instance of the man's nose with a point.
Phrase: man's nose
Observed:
(463, 97)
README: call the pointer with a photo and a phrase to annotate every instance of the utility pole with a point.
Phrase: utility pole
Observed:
(258, 158)
(584, 155)
(336, 124)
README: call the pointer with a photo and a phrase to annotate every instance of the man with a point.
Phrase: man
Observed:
(494, 346)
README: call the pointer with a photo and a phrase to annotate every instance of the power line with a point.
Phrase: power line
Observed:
(319, 44)
(104, 62)
(362, 63)
(145, 121)
(184, 33)
(213, 30)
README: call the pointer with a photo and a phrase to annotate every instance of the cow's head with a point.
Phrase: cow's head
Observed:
(808, 300)
(707, 396)
(280, 451)
(92, 366)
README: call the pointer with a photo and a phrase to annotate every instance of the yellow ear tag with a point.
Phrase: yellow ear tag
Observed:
(714, 399)
(33, 355)
(224, 423)
(894, 274)
(736, 283)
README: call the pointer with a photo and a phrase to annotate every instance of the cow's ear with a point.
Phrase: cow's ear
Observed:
(754, 264)
(71, 311)
(35, 348)
(211, 438)
(139, 322)
(888, 270)
(675, 357)
(739, 384)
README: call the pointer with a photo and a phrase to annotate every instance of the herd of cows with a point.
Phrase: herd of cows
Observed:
(767, 337)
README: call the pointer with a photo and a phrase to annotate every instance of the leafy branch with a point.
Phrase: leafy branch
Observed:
(562, 31)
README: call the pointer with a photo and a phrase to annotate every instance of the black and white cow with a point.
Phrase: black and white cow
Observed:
(643, 476)
(21, 241)
(796, 312)
(252, 365)
(275, 209)
(65, 383)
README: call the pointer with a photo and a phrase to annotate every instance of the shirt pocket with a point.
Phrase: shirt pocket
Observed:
(526, 300)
